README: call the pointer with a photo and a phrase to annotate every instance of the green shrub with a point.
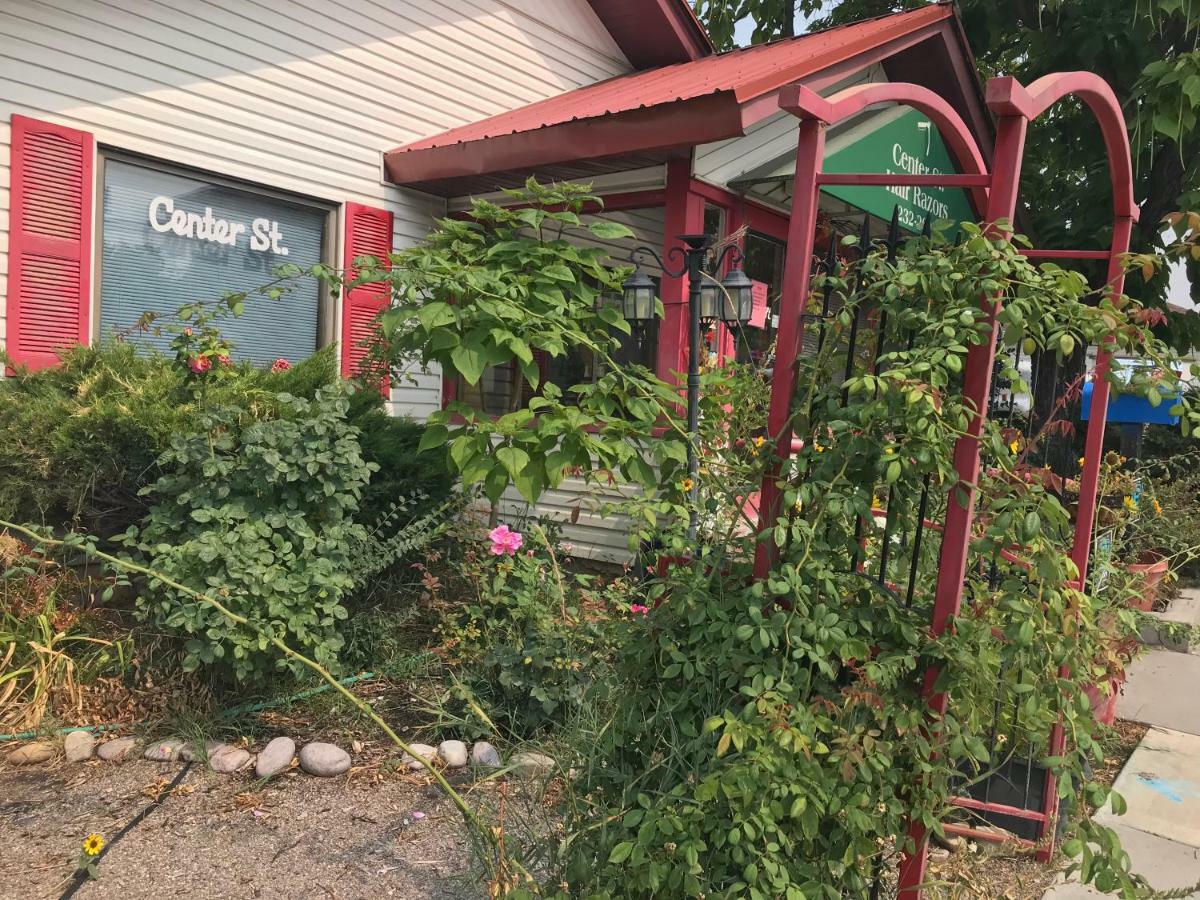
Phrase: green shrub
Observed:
(391, 443)
(78, 442)
(530, 638)
(261, 511)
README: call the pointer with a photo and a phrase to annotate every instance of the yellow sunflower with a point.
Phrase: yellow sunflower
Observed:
(93, 844)
(687, 484)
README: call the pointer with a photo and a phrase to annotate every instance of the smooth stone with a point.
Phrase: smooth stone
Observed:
(112, 751)
(429, 754)
(324, 760)
(79, 745)
(227, 760)
(188, 752)
(275, 757)
(532, 765)
(31, 754)
(453, 753)
(164, 751)
(485, 755)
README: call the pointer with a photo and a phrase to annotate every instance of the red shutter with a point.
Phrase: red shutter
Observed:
(50, 251)
(368, 233)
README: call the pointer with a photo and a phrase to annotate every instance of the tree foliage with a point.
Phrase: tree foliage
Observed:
(1147, 50)
(503, 288)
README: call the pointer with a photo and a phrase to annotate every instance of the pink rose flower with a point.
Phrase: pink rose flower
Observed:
(200, 364)
(505, 541)
(224, 360)
(280, 365)
(639, 609)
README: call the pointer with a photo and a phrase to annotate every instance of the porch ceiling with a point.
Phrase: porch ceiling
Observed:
(646, 118)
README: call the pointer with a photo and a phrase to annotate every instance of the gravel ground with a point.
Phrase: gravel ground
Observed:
(219, 836)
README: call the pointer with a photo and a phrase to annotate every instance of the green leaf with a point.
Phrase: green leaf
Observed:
(434, 436)
(469, 363)
(613, 318)
(620, 853)
(514, 459)
(610, 231)
(559, 272)
(435, 315)
(530, 481)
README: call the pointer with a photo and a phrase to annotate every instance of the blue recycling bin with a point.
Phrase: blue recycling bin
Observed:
(1133, 409)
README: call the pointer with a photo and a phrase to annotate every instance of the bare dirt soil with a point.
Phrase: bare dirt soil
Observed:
(222, 836)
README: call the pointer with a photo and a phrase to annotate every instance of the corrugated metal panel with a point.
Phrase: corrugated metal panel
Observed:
(746, 73)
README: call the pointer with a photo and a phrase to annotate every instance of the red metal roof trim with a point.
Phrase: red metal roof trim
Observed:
(654, 32)
(747, 73)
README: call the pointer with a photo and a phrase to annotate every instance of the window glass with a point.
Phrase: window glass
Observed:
(763, 261)
(170, 239)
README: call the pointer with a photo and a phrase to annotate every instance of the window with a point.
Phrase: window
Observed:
(763, 262)
(170, 237)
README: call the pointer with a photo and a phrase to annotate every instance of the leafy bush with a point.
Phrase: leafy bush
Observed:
(78, 442)
(530, 638)
(774, 737)
(261, 511)
(391, 443)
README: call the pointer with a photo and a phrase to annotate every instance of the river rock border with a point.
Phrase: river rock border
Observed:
(319, 759)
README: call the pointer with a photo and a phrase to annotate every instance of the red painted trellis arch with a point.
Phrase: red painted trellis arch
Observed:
(996, 193)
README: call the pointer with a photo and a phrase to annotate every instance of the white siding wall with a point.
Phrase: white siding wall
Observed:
(769, 141)
(300, 95)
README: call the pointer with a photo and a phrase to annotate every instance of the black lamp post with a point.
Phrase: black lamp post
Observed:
(731, 302)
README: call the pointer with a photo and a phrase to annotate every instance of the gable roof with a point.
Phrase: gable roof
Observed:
(644, 118)
(654, 32)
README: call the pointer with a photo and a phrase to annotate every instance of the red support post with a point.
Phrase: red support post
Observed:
(684, 214)
(960, 511)
(1085, 517)
(797, 272)
(1089, 481)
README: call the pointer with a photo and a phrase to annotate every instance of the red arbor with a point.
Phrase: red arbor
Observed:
(996, 193)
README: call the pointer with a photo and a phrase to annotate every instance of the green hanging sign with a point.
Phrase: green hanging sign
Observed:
(908, 144)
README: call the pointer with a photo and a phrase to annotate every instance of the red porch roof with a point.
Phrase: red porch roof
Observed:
(659, 114)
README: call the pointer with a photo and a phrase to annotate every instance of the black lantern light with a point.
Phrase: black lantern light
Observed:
(710, 302)
(639, 293)
(738, 298)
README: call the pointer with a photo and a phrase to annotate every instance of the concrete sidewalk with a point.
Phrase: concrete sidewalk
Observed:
(1161, 780)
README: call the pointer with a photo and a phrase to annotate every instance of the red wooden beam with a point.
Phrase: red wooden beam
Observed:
(807, 104)
(797, 273)
(1065, 254)
(999, 808)
(903, 180)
